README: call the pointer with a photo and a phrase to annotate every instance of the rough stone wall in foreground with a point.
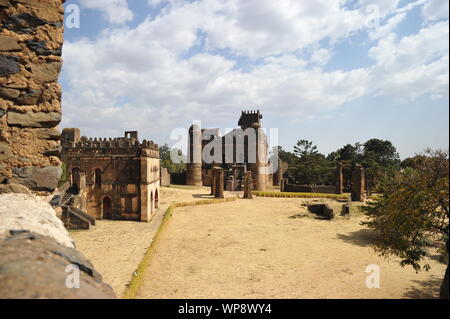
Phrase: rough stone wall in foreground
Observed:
(36, 250)
(31, 39)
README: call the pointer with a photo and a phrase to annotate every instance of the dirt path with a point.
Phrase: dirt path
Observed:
(253, 249)
(117, 247)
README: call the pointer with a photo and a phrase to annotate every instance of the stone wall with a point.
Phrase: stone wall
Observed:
(293, 188)
(31, 39)
(35, 251)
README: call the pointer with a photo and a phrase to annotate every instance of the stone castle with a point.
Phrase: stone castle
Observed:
(245, 154)
(118, 178)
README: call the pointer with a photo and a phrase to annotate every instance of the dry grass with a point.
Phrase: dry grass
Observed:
(253, 249)
(299, 195)
(138, 275)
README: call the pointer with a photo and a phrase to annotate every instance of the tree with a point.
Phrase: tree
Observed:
(412, 212)
(309, 166)
(166, 160)
(304, 148)
(383, 152)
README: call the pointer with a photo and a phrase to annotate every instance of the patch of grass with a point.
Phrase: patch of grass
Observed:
(299, 195)
(138, 275)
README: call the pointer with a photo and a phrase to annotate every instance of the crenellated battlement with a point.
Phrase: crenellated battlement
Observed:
(130, 146)
(250, 118)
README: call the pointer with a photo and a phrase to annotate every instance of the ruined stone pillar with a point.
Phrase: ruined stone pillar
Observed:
(248, 186)
(194, 165)
(339, 179)
(283, 184)
(213, 181)
(358, 184)
(31, 38)
(219, 181)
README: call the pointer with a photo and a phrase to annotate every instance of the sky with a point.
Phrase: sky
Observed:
(334, 72)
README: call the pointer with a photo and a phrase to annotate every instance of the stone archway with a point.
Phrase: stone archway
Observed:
(107, 208)
(156, 199)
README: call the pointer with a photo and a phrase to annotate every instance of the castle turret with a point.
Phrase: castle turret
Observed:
(252, 120)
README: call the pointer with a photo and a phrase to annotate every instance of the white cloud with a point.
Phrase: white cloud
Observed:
(115, 11)
(414, 65)
(321, 56)
(387, 28)
(150, 77)
(435, 9)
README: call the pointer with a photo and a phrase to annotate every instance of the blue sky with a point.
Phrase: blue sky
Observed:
(334, 72)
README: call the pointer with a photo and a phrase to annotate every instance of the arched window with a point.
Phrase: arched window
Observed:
(98, 178)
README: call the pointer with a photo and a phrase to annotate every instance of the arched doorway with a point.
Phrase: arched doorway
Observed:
(156, 200)
(98, 178)
(152, 204)
(75, 179)
(107, 208)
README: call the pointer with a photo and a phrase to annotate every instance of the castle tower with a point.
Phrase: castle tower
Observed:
(194, 166)
(252, 119)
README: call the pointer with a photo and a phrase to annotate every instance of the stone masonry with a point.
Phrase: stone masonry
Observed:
(31, 39)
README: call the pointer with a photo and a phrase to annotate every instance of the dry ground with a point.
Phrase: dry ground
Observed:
(116, 248)
(253, 249)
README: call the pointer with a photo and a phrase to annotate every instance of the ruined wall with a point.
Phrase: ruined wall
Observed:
(35, 250)
(31, 38)
(294, 188)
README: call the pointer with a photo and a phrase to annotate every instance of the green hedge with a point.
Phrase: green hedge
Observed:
(299, 195)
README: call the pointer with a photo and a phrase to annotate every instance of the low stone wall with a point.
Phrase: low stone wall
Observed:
(178, 178)
(293, 188)
(36, 250)
(74, 218)
(165, 177)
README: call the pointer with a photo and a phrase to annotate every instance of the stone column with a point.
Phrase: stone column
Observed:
(219, 183)
(194, 165)
(358, 184)
(213, 181)
(283, 184)
(339, 179)
(248, 186)
(31, 38)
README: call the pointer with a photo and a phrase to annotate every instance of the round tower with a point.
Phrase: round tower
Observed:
(194, 165)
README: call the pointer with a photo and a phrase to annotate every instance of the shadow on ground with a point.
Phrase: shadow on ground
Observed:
(363, 237)
(424, 289)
